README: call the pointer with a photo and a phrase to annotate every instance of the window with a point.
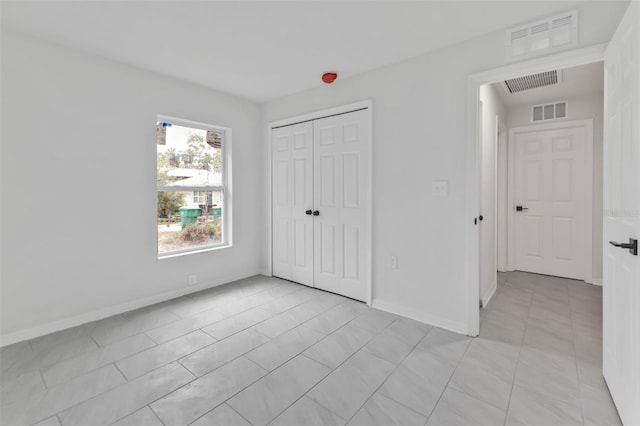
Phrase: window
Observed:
(201, 197)
(192, 160)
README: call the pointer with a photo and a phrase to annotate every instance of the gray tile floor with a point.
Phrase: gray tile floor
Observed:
(266, 351)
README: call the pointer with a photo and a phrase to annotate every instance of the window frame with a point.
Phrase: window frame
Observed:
(225, 188)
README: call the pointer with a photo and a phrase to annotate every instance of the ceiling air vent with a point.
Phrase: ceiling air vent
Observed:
(549, 111)
(533, 81)
(547, 35)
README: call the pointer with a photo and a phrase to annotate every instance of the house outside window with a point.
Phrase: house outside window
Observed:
(193, 187)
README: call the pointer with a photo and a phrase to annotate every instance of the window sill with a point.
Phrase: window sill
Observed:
(200, 250)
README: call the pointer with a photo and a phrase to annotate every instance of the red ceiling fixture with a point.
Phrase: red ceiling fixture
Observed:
(329, 77)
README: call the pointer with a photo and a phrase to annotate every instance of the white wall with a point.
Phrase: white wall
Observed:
(419, 119)
(492, 110)
(580, 107)
(79, 189)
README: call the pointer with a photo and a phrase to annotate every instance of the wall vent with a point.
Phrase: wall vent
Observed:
(549, 111)
(547, 35)
(533, 81)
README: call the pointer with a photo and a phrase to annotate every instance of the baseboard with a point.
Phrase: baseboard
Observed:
(594, 281)
(487, 298)
(52, 327)
(265, 271)
(421, 316)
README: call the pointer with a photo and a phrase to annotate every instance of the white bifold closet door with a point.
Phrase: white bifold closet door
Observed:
(321, 198)
(292, 194)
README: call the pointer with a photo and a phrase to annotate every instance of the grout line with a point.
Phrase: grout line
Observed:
(575, 357)
(308, 390)
(94, 341)
(520, 347)
(330, 368)
(391, 373)
(120, 371)
(444, 389)
(154, 413)
(46, 386)
(236, 411)
(155, 343)
(261, 367)
(385, 380)
(191, 372)
(267, 373)
(100, 394)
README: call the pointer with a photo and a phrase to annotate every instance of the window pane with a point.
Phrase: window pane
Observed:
(561, 111)
(188, 157)
(184, 225)
(537, 113)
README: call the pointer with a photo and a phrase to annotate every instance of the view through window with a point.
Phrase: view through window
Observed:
(191, 186)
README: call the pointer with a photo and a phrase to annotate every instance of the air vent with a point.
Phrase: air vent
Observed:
(533, 81)
(549, 111)
(547, 35)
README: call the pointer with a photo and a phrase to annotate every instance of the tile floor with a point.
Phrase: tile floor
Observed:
(266, 351)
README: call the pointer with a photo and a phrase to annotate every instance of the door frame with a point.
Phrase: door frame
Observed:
(566, 59)
(587, 125)
(341, 109)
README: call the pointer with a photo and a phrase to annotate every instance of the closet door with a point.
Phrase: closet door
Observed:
(292, 192)
(342, 185)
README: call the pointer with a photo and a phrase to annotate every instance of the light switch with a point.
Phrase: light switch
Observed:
(440, 188)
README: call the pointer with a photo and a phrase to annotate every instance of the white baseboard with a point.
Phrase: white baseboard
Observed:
(421, 316)
(594, 281)
(265, 271)
(51, 327)
(485, 299)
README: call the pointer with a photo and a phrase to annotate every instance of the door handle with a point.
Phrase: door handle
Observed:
(521, 209)
(632, 245)
(308, 212)
(316, 213)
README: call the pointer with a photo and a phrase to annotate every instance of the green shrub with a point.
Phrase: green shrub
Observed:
(200, 232)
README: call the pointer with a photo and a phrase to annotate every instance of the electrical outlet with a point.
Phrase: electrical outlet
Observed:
(393, 262)
(193, 279)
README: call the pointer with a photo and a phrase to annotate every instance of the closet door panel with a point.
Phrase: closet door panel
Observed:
(292, 197)
(342, 241)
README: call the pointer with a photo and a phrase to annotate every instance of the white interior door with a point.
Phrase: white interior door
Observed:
(621, 268)
(292, 156)
(342, 236)
(550, 201)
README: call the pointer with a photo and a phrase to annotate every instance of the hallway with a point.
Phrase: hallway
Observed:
(545, 334)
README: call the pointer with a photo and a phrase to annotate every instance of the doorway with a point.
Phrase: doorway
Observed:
(478, 83)
(537, 173)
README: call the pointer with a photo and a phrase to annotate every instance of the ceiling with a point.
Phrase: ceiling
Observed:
(581, 80)
(264, 50)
